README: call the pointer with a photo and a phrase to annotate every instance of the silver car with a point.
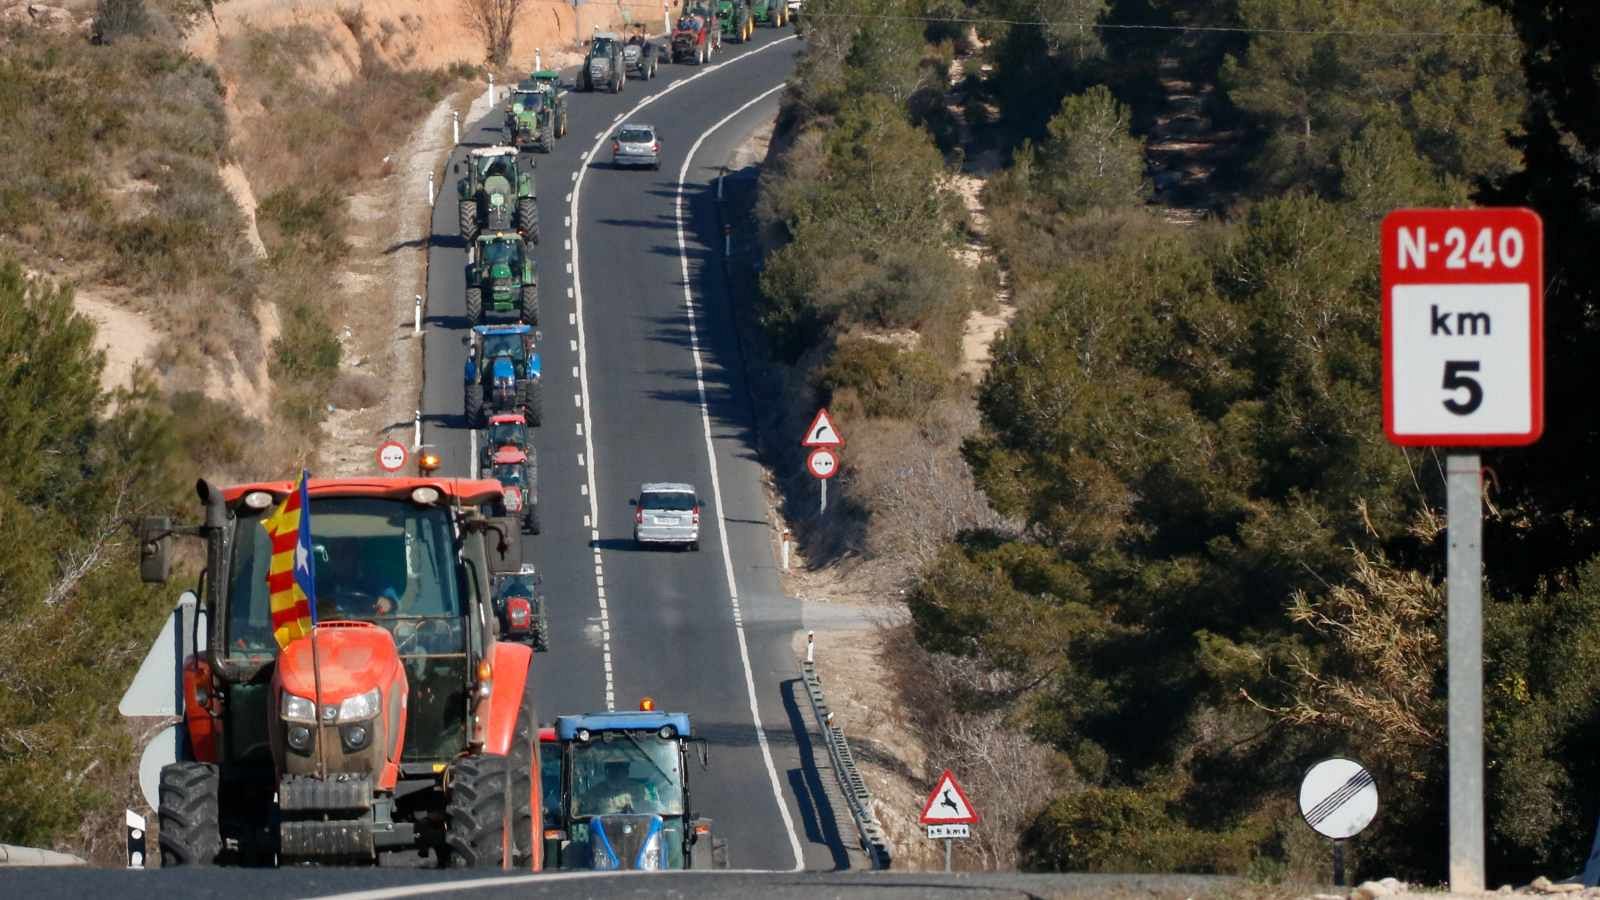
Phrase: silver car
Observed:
(667, 513)
(636, 145)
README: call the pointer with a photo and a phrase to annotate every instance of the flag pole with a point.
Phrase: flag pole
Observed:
(311, 607)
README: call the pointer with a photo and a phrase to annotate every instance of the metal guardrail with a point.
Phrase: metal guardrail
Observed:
(873, 841)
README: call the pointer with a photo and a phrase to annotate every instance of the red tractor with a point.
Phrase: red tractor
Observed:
(696, 37)
(401, 724)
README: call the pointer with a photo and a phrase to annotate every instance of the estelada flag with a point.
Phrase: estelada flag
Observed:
(291, 579)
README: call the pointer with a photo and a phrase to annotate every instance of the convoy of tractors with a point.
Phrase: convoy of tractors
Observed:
(401, 719)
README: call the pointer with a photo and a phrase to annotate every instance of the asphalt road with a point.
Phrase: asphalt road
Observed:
(623, 405)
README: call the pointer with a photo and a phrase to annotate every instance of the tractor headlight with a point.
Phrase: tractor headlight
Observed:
(299, 738)
(355, 737)
(650, 856)
(361, 706)
(298, 709)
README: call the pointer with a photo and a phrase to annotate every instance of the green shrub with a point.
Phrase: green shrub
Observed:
(888, 380)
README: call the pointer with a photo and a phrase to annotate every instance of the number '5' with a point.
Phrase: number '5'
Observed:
(1455, 380)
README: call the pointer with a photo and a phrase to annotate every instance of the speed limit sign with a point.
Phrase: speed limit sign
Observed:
(1463, 327)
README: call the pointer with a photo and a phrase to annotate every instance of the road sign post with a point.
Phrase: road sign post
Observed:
(948, 815)
(1338, 799)
(1463, 368)
(823, 462)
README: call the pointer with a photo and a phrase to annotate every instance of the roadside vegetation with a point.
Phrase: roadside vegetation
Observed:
(111, 167)
(1191, 564)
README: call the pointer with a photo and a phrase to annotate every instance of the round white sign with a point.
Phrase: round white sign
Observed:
(392, 456)
(822, 463)
(1338, 798)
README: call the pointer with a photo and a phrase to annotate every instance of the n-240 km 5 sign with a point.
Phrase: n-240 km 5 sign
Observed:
(1463, 327)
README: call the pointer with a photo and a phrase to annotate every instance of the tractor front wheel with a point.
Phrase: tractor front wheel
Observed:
(541, 638)
(474, 305)
(478, 819)
(530, 303)
(474, 405)
(190, 818)
(468, 213)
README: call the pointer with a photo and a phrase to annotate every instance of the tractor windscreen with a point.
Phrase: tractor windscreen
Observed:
(602, 46)
(502, 253)
(626, 772)
(507, 435)
(529, 100)
(502, 344)
(508, 474)
(390, 562)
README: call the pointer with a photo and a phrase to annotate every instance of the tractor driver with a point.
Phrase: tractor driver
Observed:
(617, 793)
(351, 585)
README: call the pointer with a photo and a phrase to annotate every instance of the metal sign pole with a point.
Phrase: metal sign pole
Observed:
(1338, 864)
(948, 843)
(1464, 682)
(824, 483)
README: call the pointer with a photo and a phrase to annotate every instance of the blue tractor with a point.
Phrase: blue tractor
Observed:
(625, 800)
(502, 374)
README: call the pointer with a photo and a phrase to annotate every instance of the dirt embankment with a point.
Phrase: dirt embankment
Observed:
(419, 34)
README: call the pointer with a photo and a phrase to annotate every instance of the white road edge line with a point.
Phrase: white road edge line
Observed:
(593, 519)
(692, 312)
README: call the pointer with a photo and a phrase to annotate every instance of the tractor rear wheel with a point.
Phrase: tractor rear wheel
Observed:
(528, 218)
(474, 405)
(468, 213)
(530, 303)
(531, 393)
(477, 815)
(190, 818)
(547, 137)
(474, 305)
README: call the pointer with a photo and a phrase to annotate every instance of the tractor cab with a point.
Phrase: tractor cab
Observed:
(505, 430)
(527, 98)
(625, 794)
(370, 734)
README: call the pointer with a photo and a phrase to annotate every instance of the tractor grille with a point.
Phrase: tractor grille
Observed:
(503, 287)
(352, 793)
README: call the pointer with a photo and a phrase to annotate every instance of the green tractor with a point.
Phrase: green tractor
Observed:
(500, 268)
(771, 13)
(549, 81)
(734, 17)
(529, 122)
(497, 194)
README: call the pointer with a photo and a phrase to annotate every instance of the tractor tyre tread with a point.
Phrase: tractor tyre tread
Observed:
(474, 305)
(528, 218)
(467, 214)
(190, 814)
(523, 759)
(532, 397)
(530, 303)
(474, 405)
(476, 816)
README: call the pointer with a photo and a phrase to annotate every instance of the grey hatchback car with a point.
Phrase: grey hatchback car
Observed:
(636, 145)
(667, 513)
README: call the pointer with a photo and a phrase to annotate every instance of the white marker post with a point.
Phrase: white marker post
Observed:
(538, 57)
(1463, 368)
(455, 127)
(430, 190)
(416, 323)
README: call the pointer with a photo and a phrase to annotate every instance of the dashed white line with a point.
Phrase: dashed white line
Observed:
(577, 399)
(580, 460)
(574, 371)
(568, 245)
(572, 318)
(583, 489)
(569, 268)
(579, 427)
(574, 344)
(692, 313)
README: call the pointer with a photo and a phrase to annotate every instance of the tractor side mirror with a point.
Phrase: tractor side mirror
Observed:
(155, 549)
(633, 501)
(457, 168)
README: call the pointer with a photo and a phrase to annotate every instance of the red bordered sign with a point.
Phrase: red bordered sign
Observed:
(822, 463)
(392, 456)
(1463, 327)
(948, 804)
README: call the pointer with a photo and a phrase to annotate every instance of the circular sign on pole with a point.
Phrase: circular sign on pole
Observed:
(392, 456)
(1338, 798)
(822, 463)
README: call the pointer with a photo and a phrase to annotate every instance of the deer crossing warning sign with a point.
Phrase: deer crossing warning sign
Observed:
(947, 804)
